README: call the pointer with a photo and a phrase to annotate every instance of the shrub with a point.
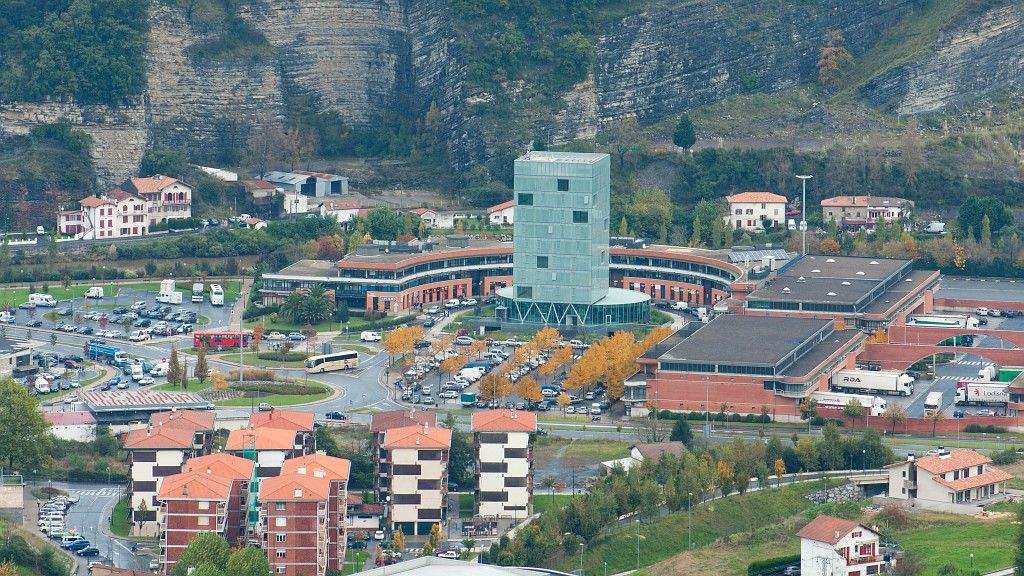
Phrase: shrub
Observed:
(771, 564)
(1005, 457)
(988, 429)
(280, 356)
(282, 388)
(261, 374)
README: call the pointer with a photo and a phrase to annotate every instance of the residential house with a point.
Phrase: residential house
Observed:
(117, 214)
(864, 211)
(295, 420)
(362, 516)
(166, 198)
(955, 477)
(501, 214)
(209, 496)
(302, 516)
(380, 423)
(154, 453)
(836, 547)
(504, 462)
(417, 477)
(294, 202)
(313, 184)
(445, 219)
(268, 447)
(254, 223)
(755, 211)
(343, 210)
(76, 426)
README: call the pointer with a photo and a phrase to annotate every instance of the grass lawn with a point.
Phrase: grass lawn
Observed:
(465, 505)
(194, 385)
(119, 524)
(276, 399)
(542, 502)
(16, 296)
(664, 537)
(250, 359)
(579, 450)
(355, 560)
(991, 542)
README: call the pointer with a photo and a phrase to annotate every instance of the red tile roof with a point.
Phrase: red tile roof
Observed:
(159, 437)
(152, 184)
(956, 460)
(383, 421)
(293, 420)
(829, 529)
(262, 438)
(318, 465)
(257, 185)
(655, 450)
(420, 211)
(346, 204)
(92, 202)
(500, 207)
(195, 486)
(119, 195)
(294, 487)
(194, 420)
(990, 476)
(69, 418)
(504, 421)
(755, 197)
(418, 437)
(222, 465)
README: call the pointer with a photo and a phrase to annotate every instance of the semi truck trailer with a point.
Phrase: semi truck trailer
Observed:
(882, 382)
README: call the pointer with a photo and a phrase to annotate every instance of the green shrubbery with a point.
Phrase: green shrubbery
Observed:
(282, 356)
(282, 388)
(988, 428)
(771, 565)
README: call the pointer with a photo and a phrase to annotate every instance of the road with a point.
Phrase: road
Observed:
(90, 518)
(981, 289)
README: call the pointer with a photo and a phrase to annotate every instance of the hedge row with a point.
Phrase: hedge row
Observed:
(772, 565)
(990, 429)
(283, 388)
(714, 417)
(280, 356)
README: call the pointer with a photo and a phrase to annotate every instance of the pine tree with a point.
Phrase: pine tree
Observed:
(174, 367)
(684, 136)
(623, 227)
(201, 366)
(986, 231)
(695, 238)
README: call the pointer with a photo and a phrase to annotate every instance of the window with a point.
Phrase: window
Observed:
(563, 185)
(279, 522)
(525, 199)
(739, 210)
(204, 504)
(281, 569)
(203, 521)
(281, 506)
(280, 537)
(524, 292)
(542, 261)
(580, 217)
(280, 553)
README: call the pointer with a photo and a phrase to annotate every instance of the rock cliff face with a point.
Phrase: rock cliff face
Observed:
(965, 64)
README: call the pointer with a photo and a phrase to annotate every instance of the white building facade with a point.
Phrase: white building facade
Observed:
(417, 477)
(754, 211)
(504, 463)
(837, 547)
(956, 477)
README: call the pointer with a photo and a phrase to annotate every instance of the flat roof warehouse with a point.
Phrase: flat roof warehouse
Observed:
(830, 284)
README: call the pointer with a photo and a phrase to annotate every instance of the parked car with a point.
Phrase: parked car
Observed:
(265, 407)
(335, 416)
(88, 551)
(274, 336)
(463, 340)
(296, 337)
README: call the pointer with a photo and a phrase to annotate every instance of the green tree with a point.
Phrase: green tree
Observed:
(986, 231)
(1018, 558)
(975, 208)
(574, 56)
(384, 224)
(461, 454)
(681, 432)
(623, 228)
(853, 409)
(202, 367)
(807, 454)
(684, 136)
(23, 437)
(695, 238)
(167, 161)
(174, 366)
(248, 561)
(207, 569)
(313, 308)
(830, 448)
(205, 548)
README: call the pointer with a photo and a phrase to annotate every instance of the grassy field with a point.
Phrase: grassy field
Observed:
(991, 542)
(194, 385)
(662, 538)
(580, 450)
(119, 524)
(16, 296)
(355, 560)
(543, 502)
(465, 505)
(273, 399)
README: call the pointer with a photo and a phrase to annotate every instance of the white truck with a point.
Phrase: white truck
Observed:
(680, 306)
(197, 291)
(216, 295)
(977, 392)
(882, 382)
(167, 285)
(944, 321)
(94, 292)
(989, 372)
(160, 369)
(932, 403)
(42, 300)
(169, 297)
(874, 405)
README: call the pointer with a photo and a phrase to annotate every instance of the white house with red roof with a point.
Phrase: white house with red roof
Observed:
(836, 547)
(116, 214)
(950, 477)
(77, 426)
(343, 210)
(501, 214)
(753, 211)
(166, 198)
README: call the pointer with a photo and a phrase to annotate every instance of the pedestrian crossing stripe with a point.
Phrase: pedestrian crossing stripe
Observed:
(100, 492)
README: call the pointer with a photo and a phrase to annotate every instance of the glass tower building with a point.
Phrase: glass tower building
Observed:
(560, 250)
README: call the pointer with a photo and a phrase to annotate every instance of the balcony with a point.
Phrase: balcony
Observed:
(854, 561)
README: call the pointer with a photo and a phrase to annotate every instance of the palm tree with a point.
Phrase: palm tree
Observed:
(312, 308)
(549, 483)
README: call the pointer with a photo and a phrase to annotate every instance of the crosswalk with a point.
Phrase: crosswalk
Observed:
(971, 363)
(98, 492)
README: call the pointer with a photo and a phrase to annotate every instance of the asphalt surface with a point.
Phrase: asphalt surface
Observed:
(1005, 290)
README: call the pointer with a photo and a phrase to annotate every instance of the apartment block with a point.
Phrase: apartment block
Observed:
(380, 423)
(503, 440)
(302, 516)
(114, 215)
(155, 453)
(166, 198)
(209, 496)
(268, 447)
(417, 477)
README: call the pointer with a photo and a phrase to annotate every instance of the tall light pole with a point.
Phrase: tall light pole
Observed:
(803, 217)
(689, 520)
(637, 543)
(583, 546)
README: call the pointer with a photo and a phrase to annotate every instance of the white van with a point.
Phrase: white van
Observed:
(40, 231)
(453, 303)
(94, 292)
(471, 374)
(370, 336)
(138, 336)
(595, 408)
(680, 305)
(42, 300)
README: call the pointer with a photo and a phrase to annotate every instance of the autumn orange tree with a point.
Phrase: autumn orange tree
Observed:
(220, 384)
(451, 365)
(833, 60)
(561, 357)
(528, 389)
(587, 369)
(562, 400)
(477, 348)
(494, 385)
(258, 332)
(401, 341)
(546, 338)
(620, 352)
(656, 335)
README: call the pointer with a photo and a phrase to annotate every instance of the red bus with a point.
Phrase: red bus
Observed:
(220, 339)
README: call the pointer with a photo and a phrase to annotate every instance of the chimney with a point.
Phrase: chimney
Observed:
(184, 490)
(425, 426)
(910, 457)
(417, 440)
(208, 470)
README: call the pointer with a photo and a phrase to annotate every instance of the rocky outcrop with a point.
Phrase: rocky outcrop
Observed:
(966, 63)
(681, 55)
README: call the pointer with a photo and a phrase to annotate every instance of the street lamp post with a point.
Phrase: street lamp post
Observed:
(689, 520)
(863, 459)
(637, 543)
(803, 217)
(583, 546)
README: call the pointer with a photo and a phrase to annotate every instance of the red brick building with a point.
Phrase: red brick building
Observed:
(302, 516)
